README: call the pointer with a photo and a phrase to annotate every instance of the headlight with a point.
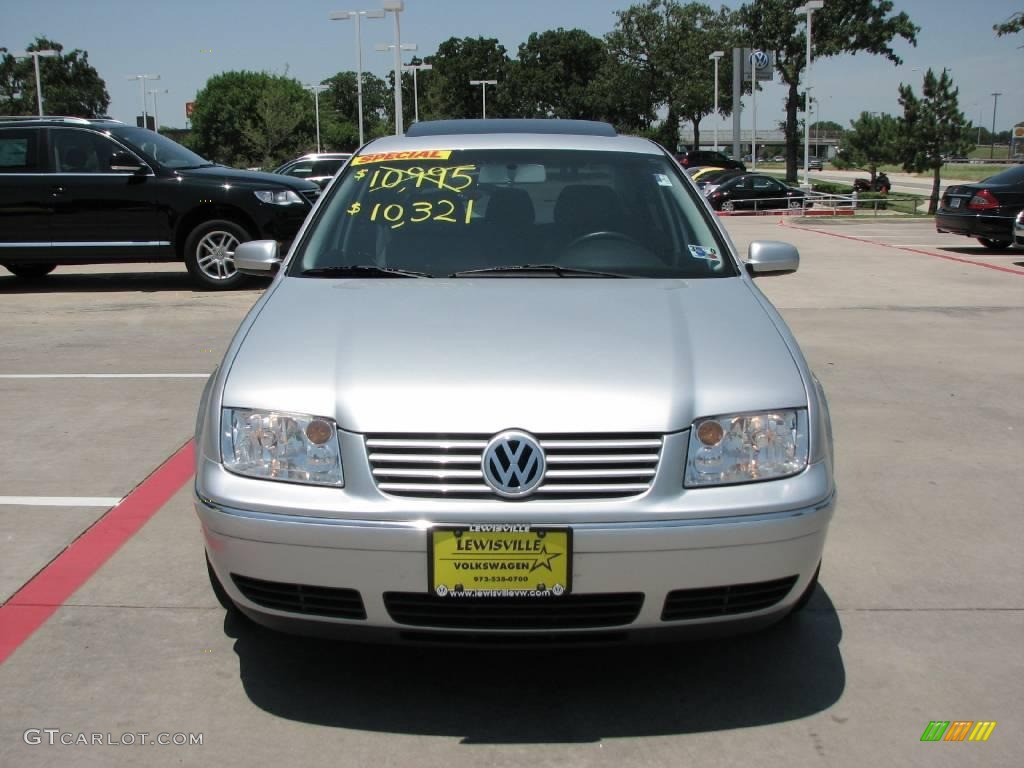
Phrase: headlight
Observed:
(746, 447)
(278, 196)
(281, 446)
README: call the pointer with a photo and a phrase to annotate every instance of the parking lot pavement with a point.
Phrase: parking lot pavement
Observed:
(919, 616)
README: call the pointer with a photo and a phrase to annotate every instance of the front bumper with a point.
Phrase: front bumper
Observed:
(654, 558)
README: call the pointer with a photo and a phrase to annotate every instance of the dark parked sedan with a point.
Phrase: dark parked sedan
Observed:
(695, 158)
(986, 210)
(755, 191)
(709, 182)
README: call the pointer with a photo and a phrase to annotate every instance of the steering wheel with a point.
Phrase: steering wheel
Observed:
(602, 235)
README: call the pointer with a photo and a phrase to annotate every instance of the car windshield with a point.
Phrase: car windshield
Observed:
(160, 149)
(569, 213)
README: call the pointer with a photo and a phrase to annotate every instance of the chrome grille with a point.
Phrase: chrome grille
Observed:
(578, 466)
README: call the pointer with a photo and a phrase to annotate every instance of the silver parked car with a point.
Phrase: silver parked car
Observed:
(318, 168)
(513, 378)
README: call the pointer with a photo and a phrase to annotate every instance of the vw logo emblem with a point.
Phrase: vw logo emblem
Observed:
(760, 59)
(513, 464)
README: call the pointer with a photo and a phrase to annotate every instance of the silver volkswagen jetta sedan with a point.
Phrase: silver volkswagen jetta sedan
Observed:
(513, 379)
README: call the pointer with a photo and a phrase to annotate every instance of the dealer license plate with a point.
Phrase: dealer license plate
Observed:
(495, 560)
(954, 202)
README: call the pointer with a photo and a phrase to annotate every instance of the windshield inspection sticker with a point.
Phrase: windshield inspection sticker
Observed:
(424, 154)
(705, 253)
(663, 180)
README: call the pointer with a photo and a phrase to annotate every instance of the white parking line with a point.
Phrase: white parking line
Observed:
(60, 501)
(104, 375)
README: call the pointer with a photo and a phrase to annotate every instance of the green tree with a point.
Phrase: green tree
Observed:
(339, 110)
(872, 140)
(252, 118)
(1011, 26)
(827, 128)
(71, 85)
(639, 43)
(278, 126)
(694, 32)
(932, 126)
(665, 46)
(841, 27)
(447, 93)
(554, 75)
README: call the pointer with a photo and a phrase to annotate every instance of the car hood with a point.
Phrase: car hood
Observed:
(254, 179)
(478, 355)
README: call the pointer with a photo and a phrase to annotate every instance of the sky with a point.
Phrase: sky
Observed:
(187, 41)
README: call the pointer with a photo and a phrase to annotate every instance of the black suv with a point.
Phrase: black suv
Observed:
(75, 191)
(695, 158)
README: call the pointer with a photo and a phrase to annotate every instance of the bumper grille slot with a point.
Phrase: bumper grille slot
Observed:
(302, 598)
(578, 466)
(421, 609)
(706, 602)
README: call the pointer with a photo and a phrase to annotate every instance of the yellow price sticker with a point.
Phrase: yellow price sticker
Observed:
(421, 154)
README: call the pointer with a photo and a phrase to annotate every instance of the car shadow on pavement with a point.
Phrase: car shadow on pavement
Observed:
(111, 282)
(967, 250)
(532, 695)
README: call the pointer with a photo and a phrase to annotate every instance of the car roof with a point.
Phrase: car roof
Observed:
(511, 134)
(510, 125)
(99, 122)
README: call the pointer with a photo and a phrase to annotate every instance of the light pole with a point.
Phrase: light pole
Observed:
(808, 8)
(483, 90)
(992, 137)
(35, 60)
(383, 48)
(396, 7)
(415, 88)
(142, 89)
(156, 115)
(316, 102)
(715, 57)
(357, 15)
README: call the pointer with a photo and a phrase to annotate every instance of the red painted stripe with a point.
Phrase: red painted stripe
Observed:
(907, 249)
(35, 602)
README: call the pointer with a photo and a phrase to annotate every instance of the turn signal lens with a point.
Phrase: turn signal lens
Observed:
(710, 433)
(319, 432)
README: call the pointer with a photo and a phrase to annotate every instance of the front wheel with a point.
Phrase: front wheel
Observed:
(210, 254)
(995, 245)
(796, 203)
(30, 271)
(728, 205)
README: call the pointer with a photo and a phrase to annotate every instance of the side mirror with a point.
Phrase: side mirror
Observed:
(257, 257)
(126, 161)
(771, 257)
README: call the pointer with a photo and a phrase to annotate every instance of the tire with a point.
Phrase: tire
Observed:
(30, 271)
(805, 598)
(728, 205)
(995, 245)
(209, 249)
(796, 203)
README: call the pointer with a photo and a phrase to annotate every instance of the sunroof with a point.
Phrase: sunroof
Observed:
(515, 125)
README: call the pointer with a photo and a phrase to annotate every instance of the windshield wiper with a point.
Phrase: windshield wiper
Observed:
(552, 268)
(361, 270)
